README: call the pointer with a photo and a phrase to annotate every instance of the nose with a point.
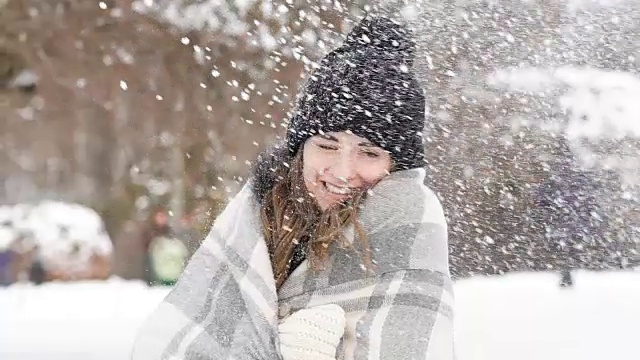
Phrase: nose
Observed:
(344, 168)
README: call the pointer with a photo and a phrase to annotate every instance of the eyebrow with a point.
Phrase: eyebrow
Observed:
(328, 137)
(333, 138)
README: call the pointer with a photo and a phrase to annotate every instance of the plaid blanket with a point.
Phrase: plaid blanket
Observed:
(225, 305)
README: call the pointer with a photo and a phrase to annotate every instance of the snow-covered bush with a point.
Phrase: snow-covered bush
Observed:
(69, 239)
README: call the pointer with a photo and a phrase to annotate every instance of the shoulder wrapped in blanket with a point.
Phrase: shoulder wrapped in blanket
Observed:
(225, 306)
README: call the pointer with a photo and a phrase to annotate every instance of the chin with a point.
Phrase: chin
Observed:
(325, 206)
(329, 205)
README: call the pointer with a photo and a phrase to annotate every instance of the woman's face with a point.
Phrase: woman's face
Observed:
(336, 164)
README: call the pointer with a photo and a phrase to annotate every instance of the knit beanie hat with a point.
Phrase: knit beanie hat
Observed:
(366, 86)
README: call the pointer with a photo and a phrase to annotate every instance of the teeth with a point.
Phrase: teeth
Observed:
(337, 190)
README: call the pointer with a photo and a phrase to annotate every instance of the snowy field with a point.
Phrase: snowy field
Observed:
(520, 316)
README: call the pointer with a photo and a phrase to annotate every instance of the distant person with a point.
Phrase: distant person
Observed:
(166, 253)
(8, 254)
(567, 205)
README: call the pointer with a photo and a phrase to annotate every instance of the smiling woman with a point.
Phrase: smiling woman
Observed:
(335, 248)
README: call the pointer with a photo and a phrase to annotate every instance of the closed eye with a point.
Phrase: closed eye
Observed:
(327, 147)
(371, 154)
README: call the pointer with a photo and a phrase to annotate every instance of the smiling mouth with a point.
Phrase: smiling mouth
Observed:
(337, 190)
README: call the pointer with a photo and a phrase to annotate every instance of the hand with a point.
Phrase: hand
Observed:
(312, 334)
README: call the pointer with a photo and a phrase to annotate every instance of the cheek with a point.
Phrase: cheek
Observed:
(373, 172)
(309, 176)
(311, 166)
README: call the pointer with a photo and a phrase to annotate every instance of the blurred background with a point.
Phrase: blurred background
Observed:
(127, 125)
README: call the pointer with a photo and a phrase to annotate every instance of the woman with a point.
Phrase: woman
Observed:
(334, 249)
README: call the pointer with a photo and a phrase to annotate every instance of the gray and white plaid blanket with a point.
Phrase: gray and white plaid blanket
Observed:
(225, 305)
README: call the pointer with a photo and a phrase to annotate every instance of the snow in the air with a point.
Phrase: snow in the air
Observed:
(601, 103)
(523, 316)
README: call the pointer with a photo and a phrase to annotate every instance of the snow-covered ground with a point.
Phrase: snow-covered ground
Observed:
(528, 316)
(84, 321)
(520, 316)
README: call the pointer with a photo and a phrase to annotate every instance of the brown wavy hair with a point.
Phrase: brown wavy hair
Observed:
(290, 215)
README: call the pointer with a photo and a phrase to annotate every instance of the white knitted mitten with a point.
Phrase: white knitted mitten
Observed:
(312, 334)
